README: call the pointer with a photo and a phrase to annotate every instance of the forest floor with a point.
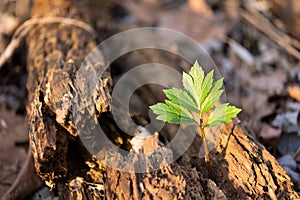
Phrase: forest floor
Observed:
(260, 64)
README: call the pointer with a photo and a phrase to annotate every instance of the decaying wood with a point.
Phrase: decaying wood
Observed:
(241, 167)
(250, 168)
(55, 52)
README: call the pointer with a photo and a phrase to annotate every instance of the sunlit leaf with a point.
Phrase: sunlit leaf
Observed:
(222, 114)
(200, 94)
(173, 113)
(213, 96)
(182, 98)
(206, 86)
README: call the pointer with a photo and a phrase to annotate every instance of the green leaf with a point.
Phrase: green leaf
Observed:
(183, 120)
(213, 96)
(206, 86)
(197, 74)
(173, 113)
(161, 110)
(192, 82)
(217, 117)
(222, 114)
(179, 110)
(231, 112)
(200, 95)
(197, 85)
(182, 98)
(188, 84)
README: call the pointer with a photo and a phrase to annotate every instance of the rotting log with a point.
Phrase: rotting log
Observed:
(241, 167)
(55, 53)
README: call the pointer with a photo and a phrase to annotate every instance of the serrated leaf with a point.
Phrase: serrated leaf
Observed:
(206, 86)
(182, 98)
(231, 112)
(200, 94)
(217, 117)
(197, 74)
(222, 114)
(188, 84)
(161, 110)
(173, 113)
(183, 120)
(213, 96)
(180, 111)
(192, 82)
(197, 85)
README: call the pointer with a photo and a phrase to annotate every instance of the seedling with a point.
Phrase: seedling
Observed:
(188, 105)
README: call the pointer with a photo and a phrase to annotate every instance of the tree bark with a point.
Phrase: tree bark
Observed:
(241, 167)
(55, 53)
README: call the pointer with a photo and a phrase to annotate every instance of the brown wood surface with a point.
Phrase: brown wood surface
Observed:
(55, 52)
(241, 168)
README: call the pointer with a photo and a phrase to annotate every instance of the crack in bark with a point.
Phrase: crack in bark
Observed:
(228, 138)
(270, 169)
(234, 157)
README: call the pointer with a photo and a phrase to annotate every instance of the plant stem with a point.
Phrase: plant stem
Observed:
(207, 160)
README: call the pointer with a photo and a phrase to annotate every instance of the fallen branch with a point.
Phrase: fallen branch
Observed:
(281, 39)
(24, 29)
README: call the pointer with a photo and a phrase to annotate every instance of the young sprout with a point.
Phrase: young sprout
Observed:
(199, 96)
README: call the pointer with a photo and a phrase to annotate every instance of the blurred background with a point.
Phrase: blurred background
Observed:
(254, 43)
